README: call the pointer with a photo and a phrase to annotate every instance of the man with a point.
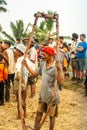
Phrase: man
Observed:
(10, 63)
(47, 70)
(36, 43)
(73, 57)
(82, 58)
(31, 79)
(61, 50)
(52, 43)
(18, 41)
(25, 41)
(20, 51)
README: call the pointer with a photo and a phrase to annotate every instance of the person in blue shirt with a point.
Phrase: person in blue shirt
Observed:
(82, 58)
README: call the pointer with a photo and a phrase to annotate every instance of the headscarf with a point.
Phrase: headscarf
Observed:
(49, 50)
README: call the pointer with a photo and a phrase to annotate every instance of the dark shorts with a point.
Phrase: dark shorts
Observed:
(31, 80)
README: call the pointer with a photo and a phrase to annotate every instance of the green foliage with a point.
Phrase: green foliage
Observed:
(2, 4)
(44, 30)
(9, 38)
(18, 31)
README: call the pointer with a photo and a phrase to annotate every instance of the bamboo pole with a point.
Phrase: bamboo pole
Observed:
(43, 15)
(20, 80)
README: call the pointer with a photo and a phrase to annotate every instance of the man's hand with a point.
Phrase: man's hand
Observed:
(24, 63)
(58, 66)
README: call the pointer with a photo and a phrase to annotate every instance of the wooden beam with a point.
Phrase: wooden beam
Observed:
(43, 15)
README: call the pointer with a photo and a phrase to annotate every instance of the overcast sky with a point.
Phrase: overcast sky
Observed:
(72, 13)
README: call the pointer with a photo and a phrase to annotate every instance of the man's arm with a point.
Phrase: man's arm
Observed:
(34, 73)
(60, 77)
(80, 48)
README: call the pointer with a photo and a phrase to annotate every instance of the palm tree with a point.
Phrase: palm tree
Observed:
(45, 29)
(3, 3)
(50, 23)
(18, 31)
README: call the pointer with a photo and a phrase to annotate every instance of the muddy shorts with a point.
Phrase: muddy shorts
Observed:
(42, 107)
(31, 80)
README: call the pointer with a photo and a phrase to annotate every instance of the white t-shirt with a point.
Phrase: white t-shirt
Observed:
(19, 64)
(33, 56)
(53, 44)
(24, 72)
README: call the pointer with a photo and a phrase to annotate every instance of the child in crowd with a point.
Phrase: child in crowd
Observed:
(3, 77)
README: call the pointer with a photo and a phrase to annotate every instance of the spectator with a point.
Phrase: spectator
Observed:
(31, 78)
(10, 63)
(3, 77)
(73, 59)
(82, 58)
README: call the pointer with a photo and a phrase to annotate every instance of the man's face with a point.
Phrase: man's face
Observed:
(45, 56)
(5, 46)
(18, 52)
(50, 40)
(82, 38)
(73, 38)
(61, 40)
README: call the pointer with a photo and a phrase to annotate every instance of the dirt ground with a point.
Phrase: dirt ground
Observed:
(72, 110)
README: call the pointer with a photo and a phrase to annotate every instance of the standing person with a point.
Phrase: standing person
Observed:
(3, 77)
(31, 78)
(36, 43)
(52, 43)
(20, 51)
(47, 70)
(18, 41)
(73, 57)
(61, 50)
(10, 63)
(82, 58)
(25, 41)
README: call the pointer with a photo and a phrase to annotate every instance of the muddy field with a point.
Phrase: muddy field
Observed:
(72, 110)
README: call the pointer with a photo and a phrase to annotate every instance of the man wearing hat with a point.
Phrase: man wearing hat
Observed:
(20, 51)
(25, 41)
(47, 71)
(52, 43)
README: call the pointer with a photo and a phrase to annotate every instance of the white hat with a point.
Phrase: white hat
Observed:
(21, 47)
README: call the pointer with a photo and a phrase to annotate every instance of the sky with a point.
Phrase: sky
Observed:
(72, 14)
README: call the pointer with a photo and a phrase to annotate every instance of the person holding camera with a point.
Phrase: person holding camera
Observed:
(73, 59)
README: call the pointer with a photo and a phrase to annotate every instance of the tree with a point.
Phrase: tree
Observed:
(2, 4)
(18, 31)
(45, 29)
